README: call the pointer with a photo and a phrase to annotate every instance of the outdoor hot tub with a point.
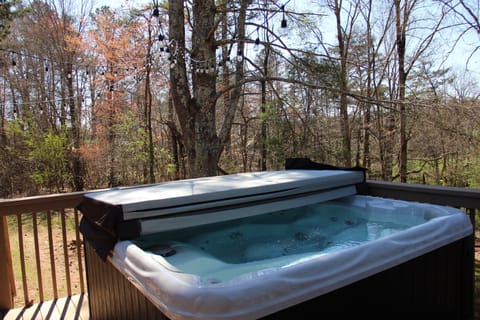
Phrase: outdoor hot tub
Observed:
(274, 244)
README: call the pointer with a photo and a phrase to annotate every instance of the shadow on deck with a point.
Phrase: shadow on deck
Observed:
(68, 308)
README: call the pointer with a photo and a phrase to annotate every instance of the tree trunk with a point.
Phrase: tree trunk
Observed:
(75, 115)
(196, 106)
(196, 113)
(174, 142)
(206, 141)
(263, 82)
(367, 122)
(149, 177)
(388, 137)
(112, 179)
(402, 78)
(179, 86)
(344, 119)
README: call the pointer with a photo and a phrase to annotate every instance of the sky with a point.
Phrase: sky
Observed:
(460, 59)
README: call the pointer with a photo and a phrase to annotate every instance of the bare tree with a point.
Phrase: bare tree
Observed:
(344, 37)
(404, 20)
(466, 19)
(195, 103)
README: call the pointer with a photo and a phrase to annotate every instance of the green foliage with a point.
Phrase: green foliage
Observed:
(14, 165)
(132, 151)
(473, 174)
(471, 169)
(171, 167)
(460, 171)
(49, 156)
(39, 160)
(278, 131)
(8, 11)
(324, 71)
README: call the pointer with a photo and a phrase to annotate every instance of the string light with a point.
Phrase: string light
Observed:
(284, 20)
(168, 48)
(156, 11)
(46, 101)
(257, 41)
(87, 69)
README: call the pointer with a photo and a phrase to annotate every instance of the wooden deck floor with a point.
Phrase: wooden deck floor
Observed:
(69, 308)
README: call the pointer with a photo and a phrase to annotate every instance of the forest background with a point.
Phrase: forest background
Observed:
(102, 97)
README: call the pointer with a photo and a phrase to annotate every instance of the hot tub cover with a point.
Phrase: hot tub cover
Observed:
(123, 213)
(258, 293)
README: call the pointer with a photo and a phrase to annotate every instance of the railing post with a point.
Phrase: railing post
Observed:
(7, 288)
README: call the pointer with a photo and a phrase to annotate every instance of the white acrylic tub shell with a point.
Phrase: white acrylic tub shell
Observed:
(258, 293)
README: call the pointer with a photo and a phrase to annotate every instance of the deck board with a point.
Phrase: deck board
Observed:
(68, 308)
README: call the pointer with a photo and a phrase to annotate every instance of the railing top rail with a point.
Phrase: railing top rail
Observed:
(40, 203)
(449, 196)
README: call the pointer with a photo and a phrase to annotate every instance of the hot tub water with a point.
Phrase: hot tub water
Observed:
(251, 267)
(223, 251)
